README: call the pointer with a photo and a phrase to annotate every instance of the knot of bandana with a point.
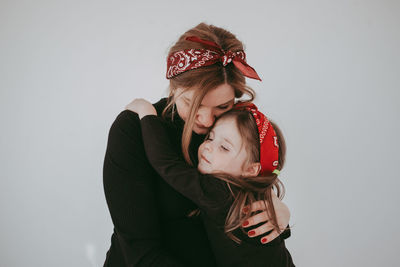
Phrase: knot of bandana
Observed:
(269, 148)
(189, 59)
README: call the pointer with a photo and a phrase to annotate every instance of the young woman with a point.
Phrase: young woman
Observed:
(239, 163)
(151, 222)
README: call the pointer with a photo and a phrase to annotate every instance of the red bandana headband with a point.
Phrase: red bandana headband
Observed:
(189, 59)
(269, 148)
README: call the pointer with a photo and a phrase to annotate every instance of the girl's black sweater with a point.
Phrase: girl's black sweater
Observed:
(214, 199)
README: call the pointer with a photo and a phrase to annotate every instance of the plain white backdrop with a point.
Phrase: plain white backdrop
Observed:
(331, 80)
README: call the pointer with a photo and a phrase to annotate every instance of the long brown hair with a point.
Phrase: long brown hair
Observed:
(205, 79)
(246, 190)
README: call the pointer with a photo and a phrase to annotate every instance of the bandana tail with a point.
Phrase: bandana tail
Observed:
(246, 70)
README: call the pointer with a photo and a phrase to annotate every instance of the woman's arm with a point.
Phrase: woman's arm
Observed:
(282, 215)
(130, 193)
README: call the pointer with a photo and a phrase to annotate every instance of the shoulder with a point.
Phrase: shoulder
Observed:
(128, 122)
(125, 131)
(160, 105)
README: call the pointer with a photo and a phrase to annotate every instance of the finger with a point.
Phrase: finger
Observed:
(245, 209)
(256, 219)
(259, 205)
(268, 238)
(260, 230)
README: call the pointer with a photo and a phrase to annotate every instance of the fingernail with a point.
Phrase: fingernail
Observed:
(245, 210)
(245, 223)
(251, 233)
(264, 240)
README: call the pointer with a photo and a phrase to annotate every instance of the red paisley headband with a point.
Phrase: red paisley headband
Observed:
(269, 148)
(189, 59)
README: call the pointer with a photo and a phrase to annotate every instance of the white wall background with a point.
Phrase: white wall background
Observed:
(331, 79)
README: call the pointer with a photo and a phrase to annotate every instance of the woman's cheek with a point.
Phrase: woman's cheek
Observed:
(182, 111)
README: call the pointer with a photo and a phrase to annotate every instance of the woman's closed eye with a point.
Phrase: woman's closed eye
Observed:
(223, 107)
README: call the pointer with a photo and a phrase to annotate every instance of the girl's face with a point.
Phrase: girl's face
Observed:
(215, 102)
(223, 151)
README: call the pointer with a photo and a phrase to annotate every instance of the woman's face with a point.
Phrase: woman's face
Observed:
(215, 102)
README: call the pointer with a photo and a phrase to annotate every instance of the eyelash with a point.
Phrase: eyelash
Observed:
(222, 147)
(225, 107)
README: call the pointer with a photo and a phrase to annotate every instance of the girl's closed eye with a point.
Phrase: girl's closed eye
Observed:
(224, 148)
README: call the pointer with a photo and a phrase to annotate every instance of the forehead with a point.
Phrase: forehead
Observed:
(227, 128)
(215, 97)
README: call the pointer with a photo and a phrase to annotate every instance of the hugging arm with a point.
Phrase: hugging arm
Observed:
(129, 188)
(282, 215)
(204, 190)
(143, 108)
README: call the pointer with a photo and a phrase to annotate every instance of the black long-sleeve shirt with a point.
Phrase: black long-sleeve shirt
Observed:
(151, 226)
(213, 197)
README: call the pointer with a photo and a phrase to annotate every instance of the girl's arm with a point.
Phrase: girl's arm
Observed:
(204, 190)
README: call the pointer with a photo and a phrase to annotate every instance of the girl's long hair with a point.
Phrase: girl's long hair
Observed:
(204, 79)
(247, 190)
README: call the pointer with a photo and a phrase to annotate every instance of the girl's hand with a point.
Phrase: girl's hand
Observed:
(142, 107)
(282, 214)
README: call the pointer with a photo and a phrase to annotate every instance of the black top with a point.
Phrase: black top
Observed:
(151, 226)
(214, 199)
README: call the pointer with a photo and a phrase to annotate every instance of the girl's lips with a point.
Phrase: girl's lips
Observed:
(204, 159)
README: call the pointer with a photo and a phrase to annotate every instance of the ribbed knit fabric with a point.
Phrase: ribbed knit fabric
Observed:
(151, 226)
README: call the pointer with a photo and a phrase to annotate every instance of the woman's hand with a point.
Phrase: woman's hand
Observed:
(142, 107)
(282, 215)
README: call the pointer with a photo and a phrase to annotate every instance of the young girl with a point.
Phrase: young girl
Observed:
(238, 164)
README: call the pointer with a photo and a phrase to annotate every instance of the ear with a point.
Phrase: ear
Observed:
(252, 169)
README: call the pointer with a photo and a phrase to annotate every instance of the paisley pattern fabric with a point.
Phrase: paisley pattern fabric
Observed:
(189, 59)
(269, 148)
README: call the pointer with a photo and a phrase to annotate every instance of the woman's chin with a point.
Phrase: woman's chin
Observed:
(200, 130)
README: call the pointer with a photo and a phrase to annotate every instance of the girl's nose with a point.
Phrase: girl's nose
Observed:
(208, 146)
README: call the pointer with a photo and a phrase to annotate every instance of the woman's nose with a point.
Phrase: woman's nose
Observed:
(205, 118)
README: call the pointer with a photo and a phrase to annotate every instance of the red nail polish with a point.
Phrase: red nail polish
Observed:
(264, 240)
(245, 223)
(251, 233)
